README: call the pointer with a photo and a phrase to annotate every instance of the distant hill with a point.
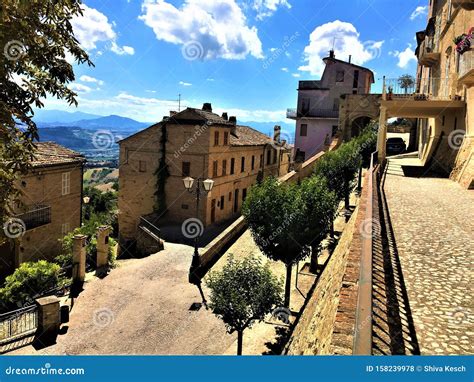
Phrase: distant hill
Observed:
(114, 122)
(59, 116)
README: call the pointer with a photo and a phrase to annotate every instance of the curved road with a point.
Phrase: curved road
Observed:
(142, 307)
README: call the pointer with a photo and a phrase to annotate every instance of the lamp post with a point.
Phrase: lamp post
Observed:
(202, 187)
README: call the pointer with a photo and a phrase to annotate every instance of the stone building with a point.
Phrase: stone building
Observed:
(200, 144)
(51, 201)
(442, 95)
(317, 111)
(356, 111)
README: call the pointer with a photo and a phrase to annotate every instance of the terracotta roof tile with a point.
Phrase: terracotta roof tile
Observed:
(247, 136)
(50, 154)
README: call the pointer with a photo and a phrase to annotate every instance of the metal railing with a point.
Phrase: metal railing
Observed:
(36, 216)
(18, 323)
(420, 89)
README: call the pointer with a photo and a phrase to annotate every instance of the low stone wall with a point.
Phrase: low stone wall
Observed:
(313, 332)
(214, 250)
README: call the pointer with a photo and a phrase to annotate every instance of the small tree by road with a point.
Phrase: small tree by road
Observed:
(243, 293)
(320, 210)
(273, 212)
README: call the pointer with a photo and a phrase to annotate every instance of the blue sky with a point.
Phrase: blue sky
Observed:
(245, 57)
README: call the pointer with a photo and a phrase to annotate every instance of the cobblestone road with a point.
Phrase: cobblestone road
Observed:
(433, 223)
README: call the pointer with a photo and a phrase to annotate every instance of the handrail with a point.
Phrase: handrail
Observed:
(363, 323)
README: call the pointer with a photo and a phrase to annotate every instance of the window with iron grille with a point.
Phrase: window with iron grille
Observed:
(226, 138)
(216, 138)
(214, 169)
(36, 216)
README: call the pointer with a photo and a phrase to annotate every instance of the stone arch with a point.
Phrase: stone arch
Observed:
(359, 123)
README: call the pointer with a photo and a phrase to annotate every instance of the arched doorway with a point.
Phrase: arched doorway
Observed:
(358, 125)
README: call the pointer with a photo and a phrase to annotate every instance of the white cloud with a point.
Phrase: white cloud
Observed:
(296, 75)
(206, 29)
(182, 83)
(153, 109)
(404, 57)
(121, 50)
(346, 41)
(80, 88)
(210, 79)
(284, 70)
(266, 8)
(90, 79)
(94, 27)
(418, 12)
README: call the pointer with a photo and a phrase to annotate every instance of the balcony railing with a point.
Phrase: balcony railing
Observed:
(312, 113)
(36, 216)
(421, 89)
(466, 67)
(428, 54)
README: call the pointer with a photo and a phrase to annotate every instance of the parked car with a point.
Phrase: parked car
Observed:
(396, 146)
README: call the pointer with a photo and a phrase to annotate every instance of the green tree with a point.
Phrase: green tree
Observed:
(273, 211)
(29, 280)
(35, 37)
(320, 211)
(243, 293)
(406, 81)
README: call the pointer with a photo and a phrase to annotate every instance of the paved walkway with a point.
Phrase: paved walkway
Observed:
(142, 307)
(433, 225)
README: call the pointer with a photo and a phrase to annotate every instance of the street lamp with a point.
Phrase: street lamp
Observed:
(202, 187)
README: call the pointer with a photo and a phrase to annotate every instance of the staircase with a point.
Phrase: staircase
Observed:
(148, 237)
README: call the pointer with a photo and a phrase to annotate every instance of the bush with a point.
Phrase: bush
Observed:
(29, 281)
(367, 143)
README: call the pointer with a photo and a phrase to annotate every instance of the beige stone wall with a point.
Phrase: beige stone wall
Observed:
(353, 106)
(44, 186)
(136, 188)
(448, 156)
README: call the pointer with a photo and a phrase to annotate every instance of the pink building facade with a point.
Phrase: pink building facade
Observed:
(317, 112)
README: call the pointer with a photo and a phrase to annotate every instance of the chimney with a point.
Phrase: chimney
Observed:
(207, 107)
(225, 116)
(233, 130)
(173, 113)
(350, 58)
(276, 133)
(331, 54)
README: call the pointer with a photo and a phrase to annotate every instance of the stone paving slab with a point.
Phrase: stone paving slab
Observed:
(433, 223)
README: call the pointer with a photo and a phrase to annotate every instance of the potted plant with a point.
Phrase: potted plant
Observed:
(463, 42)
